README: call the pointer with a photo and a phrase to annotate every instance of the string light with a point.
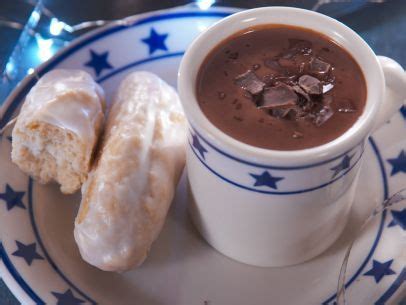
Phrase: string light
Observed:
(205, 4)
(44, 47)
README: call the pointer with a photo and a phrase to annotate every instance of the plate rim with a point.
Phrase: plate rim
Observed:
(10, 106)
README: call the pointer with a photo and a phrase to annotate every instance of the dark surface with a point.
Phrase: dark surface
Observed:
(383, 26)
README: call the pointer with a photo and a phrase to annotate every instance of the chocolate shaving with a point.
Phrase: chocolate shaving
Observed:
(281, 113)
(327, 87)
(318, 67)
(290, 53)
(279, 96)
(301, 92)
(250, 82)
(289, 79)
(310, 85)
(272, 64)
(323, 116)
(287, 63)
(295, 88)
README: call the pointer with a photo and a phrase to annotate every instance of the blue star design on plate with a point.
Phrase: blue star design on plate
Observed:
(379, 270)
(266, 179)
(399, 218)
(403, 111)
(344, 164)
(12, 198)
(155, 41)
(398, 164)
(199, 147)
(98, 62)
(67, 298)
(27, 252)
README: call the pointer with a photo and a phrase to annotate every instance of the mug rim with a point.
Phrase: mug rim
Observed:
(349, 139)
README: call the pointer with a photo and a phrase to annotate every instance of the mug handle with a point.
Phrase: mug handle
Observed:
(395, 91)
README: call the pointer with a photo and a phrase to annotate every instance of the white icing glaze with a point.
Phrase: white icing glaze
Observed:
(69, 99)
(127, 195)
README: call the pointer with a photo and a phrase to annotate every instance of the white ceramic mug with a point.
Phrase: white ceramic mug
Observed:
(274, 208)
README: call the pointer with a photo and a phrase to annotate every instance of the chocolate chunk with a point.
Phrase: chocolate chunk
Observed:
(327, 87)
(288, 79)
(282, 113)
(289, 54)
(323, 116)
(272, 64)
(301, 92)
(268, 79)
(310, 84)
(280, 96)
(250, 82)
(319, 67)
(287, 63)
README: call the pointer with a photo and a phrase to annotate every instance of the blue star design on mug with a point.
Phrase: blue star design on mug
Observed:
(266, 179)
(98, 62)
(398, 163)
(12, 198)
(343, 165)
(27, 252)
(379, 270)
(198, 146)
(399, 219)
(403, 111)
(155, 41)
(67, 298)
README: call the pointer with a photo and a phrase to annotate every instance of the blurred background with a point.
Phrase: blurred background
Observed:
(32, 31)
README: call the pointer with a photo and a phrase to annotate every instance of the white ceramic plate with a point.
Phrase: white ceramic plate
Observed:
(41, 263)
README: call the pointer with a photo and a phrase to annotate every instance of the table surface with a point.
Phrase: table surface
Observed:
(383, 26)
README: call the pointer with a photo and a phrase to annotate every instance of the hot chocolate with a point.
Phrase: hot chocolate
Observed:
(281, 87)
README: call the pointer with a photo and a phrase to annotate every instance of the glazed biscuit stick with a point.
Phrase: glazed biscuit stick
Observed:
(129, 190)
(58, 127)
